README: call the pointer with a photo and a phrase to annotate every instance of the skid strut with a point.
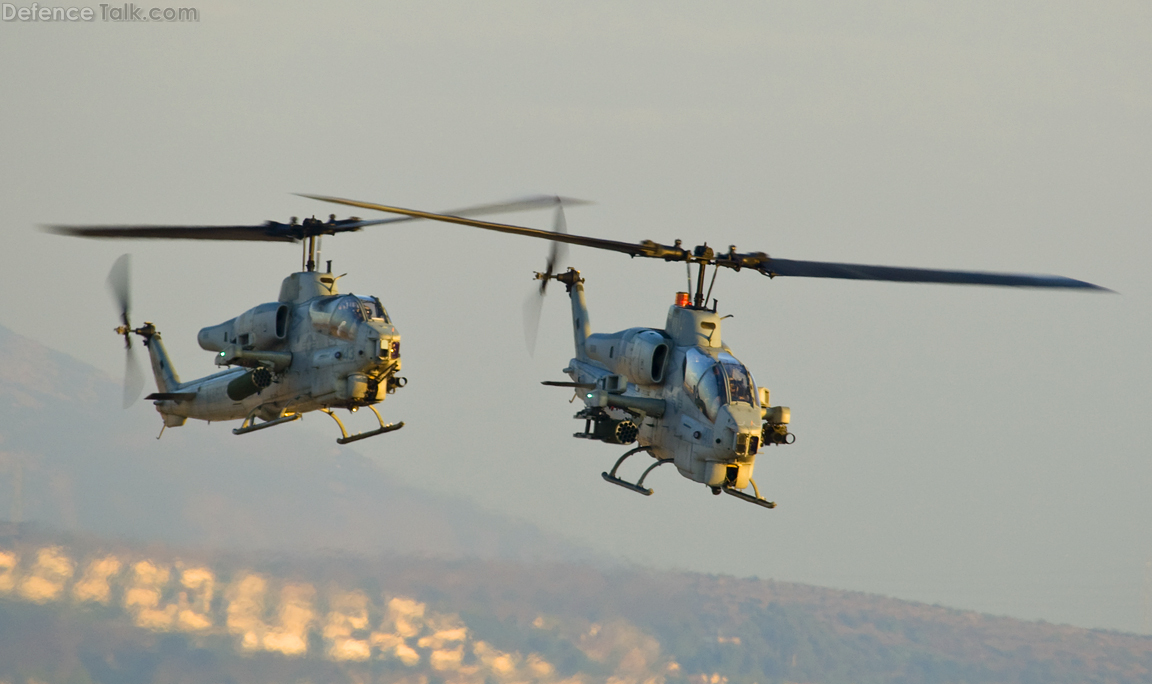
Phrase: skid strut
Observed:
(638, 486)
(345, 439)
(758, 500)
(250, 424)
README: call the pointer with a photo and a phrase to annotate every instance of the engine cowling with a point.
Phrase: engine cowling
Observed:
(639, 354)
(261, 327)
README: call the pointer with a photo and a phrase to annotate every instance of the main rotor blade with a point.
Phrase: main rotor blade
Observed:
(824, 269)
(269, 232)
(273, 231)
(625, 247)
(755, 260)
(522, 204)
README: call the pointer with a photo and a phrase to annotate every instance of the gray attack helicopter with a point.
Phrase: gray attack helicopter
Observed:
(311, 349)
(680, 392)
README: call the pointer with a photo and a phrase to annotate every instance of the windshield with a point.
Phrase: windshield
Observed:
(337, 316)
(373, 309)
(711, 383)
(740, 385)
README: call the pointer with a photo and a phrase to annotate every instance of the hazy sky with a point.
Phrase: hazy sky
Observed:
(980, 448)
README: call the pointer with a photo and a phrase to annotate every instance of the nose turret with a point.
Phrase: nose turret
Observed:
(738, 429)
(736, 441)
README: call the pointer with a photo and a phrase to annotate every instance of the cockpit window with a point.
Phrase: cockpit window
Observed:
(373, 309)
(695, 364)
(703, 382)
(740, 384)
(712, 384)
(710, 394)
(337, 316)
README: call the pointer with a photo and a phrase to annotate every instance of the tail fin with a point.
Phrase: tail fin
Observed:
(581, 328)
(166, 378)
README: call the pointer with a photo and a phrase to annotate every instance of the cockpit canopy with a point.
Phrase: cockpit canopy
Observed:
(373, 309)
(715, 382)
(339, 316)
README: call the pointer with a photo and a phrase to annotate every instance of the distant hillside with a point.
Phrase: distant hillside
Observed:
(280, 557)
(81, 609)
(72, 458)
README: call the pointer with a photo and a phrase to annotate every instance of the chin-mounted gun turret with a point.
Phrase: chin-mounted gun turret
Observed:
(776, 419)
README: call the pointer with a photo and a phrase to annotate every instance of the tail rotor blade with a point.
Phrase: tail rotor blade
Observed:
(133, 378)
(119, 284)
(533, 305)
(535, 302)
(558, 250)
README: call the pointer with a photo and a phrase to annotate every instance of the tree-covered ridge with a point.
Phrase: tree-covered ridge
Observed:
(167, 606)
(84, 610)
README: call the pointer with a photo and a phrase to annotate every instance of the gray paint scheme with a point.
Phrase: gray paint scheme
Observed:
(718, 451)
(330, 367)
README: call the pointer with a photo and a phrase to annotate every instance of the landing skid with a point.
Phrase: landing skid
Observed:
(758, 500)
(637, 486)
(250, 424)
(363, 435)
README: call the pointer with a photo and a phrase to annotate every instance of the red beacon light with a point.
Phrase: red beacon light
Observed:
(682, 299)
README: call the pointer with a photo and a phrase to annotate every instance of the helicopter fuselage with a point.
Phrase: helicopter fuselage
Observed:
(313, 349)
(679, 392)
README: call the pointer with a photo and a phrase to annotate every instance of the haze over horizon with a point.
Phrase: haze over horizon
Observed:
(978, 448)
